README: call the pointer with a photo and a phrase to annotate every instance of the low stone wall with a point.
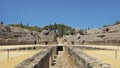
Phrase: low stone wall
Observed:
(48, 42)
(27, 48)
(15, 42)
(94, 42)
(91, 48)
(39, 60)
(23, 42)
(70, 59)
(82, 60)
(103, 42)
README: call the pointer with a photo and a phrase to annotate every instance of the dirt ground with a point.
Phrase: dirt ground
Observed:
(107, 56)
(62, 61)
(15, 57)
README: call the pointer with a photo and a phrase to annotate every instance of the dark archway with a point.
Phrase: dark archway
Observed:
(59, 48)
(46, 42)
(35, 42)
(83, 42)
(72, 42)
(107, 29)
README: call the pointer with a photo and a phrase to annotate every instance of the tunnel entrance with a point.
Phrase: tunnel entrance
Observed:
(59, 48)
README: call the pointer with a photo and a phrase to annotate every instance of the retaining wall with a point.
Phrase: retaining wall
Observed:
(40, 60)
(91, 48)
(82, 60)
(103, 42)
(95, 42)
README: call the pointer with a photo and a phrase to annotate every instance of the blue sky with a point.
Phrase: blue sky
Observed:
(76, 13)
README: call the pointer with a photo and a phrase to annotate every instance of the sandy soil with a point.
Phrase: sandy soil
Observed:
(106, 56)
(15, 57)
(17, 46)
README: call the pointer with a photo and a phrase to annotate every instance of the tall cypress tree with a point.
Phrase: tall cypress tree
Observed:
(50, 27)
(62, 30)
(28, 24)
(55, 27)
(21, 25)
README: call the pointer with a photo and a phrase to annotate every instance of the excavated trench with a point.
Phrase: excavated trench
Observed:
(62, 57)
(61, 60)
(73, 57)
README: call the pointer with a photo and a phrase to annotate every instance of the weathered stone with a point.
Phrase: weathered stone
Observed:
(45, 32)
(103, 36)
(82, 60)
(39, 60)
(14, 35)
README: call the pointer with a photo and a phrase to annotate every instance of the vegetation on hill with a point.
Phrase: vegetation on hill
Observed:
(59, 29)
(116, 23)
(34, 28)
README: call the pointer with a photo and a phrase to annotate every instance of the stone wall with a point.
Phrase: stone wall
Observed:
(40, 60)
(27, 48)
(70, 59)
(109, 35)
(82, 60)
(103, 42)
(94, 42)
(91, 48)
(46, 42)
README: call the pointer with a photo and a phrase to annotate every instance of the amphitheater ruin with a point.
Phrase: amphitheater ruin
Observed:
(97, 48)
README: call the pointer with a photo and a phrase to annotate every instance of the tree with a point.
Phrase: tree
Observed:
(72, 32)
(34, 28)
(28, 24)
(50, 28)
(118, 22)
(61, 30)
(1, 22)
(106, 25)
(55, 27)
(88, 28)
(21, 25)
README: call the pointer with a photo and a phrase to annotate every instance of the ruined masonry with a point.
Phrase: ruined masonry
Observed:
(63, 52)
(61, 56)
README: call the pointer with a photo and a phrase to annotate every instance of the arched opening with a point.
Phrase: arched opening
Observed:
(72, 42)
(83, 42)
(46, 42)
(35, 42)
(107, 29)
